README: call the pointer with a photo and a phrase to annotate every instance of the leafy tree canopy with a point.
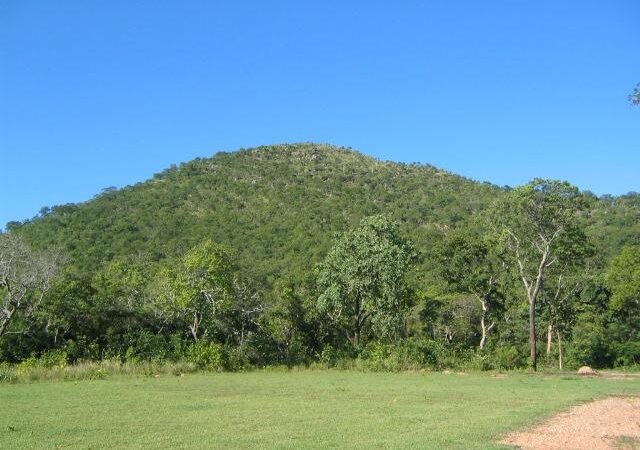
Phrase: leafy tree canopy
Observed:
(362, 279)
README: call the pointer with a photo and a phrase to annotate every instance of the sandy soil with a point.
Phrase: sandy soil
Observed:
(612, 423)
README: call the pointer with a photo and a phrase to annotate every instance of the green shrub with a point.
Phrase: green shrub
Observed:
(590, 345)
(627, 354)
(508, 358)
(432, 354)
(235, 359)
(27, 365)
(375, 355)
(206, 356)
(57, 358)
(333, 357)
(411, 354)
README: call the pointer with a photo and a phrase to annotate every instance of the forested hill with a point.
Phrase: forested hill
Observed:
(278, 209)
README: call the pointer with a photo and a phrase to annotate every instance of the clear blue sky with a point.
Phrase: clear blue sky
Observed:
(96, 94)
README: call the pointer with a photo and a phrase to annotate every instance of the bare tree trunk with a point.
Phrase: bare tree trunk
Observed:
(532, 335)
(484, 332)
(360, 319)
(483, 325)
(357, 325)
(559, 349)
(549, 339)
(533, 287)
(195, 325)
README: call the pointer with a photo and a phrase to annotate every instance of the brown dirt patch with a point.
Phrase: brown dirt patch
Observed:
(612, 423)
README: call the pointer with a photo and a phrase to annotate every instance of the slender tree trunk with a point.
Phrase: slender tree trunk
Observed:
(484, 302)
(361, 317)
(357, 335)
(483, 324)
(195, 325)
(533, 289)
(358, 325)
(559, 349)
(484, 332)
(532, 335)
(549, 339)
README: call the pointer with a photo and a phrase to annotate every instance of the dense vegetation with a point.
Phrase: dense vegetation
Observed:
(304, 253)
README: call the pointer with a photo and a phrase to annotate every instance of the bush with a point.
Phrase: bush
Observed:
(590, 345)
(27, 365)
(57, 358)
(627, 354)
(508, 358)
(332, 357)
(432, 354)
(235, 359)
(82, 348)
(206, 356)
(411, 354)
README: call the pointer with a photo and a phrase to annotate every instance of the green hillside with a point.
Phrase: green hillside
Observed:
(277, 207)
(277, 211)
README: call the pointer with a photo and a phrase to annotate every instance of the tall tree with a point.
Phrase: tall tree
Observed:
(196, 288)
(25, 278)
(469, 266)
(565, 280)
(362, 279)
(562, 293)
(538, 228)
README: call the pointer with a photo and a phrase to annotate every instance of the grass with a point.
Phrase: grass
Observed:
(31, 371)
(296, 409)
(627, 443)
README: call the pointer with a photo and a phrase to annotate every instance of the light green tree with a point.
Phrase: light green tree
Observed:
(362, 279)
(538, 228)
(196, 288)
(122, 284)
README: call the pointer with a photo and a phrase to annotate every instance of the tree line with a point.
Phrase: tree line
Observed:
(520, 281)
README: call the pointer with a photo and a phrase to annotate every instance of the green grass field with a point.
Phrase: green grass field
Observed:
(298, 409)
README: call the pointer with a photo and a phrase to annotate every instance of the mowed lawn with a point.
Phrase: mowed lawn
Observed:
(298, 409)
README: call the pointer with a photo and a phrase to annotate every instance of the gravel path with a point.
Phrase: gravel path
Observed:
(612, 423)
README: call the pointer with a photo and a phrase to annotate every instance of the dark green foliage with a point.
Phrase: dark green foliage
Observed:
(470, 265)
(590, 345)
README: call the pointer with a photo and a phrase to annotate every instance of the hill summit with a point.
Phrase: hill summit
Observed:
(277, 207)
